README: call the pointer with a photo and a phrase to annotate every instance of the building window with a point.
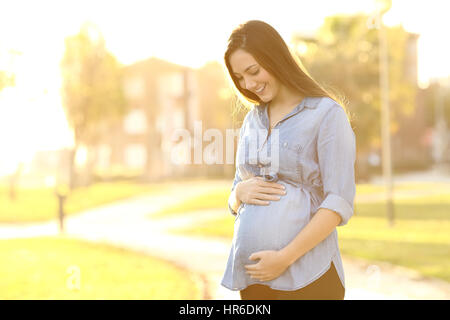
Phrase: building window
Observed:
(172, 85)
(135, 156)
(103, 156)
(135, 122)
(134, 87)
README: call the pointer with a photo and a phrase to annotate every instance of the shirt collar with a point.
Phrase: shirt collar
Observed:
(308, 102)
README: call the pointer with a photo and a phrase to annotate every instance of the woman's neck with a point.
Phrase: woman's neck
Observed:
(285, 100)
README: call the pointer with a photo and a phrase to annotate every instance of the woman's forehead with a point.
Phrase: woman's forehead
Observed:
(241, 60)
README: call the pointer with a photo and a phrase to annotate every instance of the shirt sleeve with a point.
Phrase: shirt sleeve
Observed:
(237, 179)
(336, 154)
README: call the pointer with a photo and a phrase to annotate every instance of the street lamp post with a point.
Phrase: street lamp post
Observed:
(441, 141)
(61, 192)
(383, 7)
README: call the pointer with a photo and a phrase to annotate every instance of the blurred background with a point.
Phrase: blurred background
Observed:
(92, 94)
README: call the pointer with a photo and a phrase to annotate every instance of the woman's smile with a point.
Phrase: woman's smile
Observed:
(260, 89)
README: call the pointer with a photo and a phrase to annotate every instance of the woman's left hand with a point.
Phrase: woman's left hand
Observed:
(271, 265)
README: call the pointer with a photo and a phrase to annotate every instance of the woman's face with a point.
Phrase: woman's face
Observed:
(252, 76)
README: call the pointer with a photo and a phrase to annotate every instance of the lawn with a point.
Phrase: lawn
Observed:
(41, 204)
(420, 238)
(64, 268)
(365, 188)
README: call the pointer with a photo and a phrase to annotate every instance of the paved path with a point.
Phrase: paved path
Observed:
(127, 224)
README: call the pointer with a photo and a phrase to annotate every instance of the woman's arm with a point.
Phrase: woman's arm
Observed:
(321, 226)
(273, 263)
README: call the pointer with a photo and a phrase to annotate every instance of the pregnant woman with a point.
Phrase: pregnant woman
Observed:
(288, 204)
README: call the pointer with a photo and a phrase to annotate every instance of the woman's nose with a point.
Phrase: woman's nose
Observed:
(250, 85)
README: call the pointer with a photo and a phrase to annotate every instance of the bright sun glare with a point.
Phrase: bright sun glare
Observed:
(184, 32)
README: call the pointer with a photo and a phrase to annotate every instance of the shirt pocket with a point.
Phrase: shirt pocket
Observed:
(290, 154)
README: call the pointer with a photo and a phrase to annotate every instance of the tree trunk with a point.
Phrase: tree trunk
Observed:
(90, 165)
(14, 181)
(72, 169)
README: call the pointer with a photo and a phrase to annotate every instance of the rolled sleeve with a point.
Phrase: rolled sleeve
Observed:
(336, 154)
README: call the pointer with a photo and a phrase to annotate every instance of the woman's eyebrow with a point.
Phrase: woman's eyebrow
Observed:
(246, 68)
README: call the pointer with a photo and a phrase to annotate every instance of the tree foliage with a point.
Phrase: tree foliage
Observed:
(345, 59)
(92, 84)
(6, 80)
(92, 91)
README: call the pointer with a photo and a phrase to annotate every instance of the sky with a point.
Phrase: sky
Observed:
(184, 32)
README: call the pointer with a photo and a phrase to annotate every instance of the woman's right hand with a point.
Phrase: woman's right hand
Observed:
(258, 191)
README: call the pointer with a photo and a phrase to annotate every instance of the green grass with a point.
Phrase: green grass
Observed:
(365, 188)
(420, 238)
(34, 205)
(64, 268)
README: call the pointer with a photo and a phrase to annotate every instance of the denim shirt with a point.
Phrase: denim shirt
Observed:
(311, 151)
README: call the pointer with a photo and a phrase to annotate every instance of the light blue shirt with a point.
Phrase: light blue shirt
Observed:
(316, 151)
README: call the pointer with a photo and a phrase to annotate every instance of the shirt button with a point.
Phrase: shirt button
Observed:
(285, 144)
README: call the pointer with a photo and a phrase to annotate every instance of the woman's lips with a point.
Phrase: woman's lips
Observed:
(261, 90)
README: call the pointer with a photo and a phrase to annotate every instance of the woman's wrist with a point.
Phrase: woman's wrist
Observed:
(287, 258)
(235, 202)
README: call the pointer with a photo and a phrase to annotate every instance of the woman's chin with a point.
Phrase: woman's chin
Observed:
(265, 99)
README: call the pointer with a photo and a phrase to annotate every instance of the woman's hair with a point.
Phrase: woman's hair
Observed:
(268, 48)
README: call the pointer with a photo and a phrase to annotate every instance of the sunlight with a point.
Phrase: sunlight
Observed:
(425, 19)
(187, 33)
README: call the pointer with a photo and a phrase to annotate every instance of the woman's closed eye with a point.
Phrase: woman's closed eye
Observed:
(253, 73)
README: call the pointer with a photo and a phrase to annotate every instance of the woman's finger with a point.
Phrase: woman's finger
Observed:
(261, 278)
(264, 279)
(273, 185)
(259, 178)
(255, 274)
(259, 202)
(265, 196)
(271, 190)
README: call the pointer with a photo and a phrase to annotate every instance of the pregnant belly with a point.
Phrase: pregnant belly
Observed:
(270, 227)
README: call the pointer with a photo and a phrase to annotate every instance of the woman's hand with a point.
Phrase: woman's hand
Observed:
(258, 191)
(271, 265)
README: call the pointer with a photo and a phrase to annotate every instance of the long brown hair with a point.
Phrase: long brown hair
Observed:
(268, 48)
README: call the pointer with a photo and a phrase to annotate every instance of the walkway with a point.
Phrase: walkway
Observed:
(127, 224)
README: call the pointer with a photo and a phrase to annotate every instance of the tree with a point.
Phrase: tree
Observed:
(92, 88)
(215, 105)
(344, 57)
(7, 79)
